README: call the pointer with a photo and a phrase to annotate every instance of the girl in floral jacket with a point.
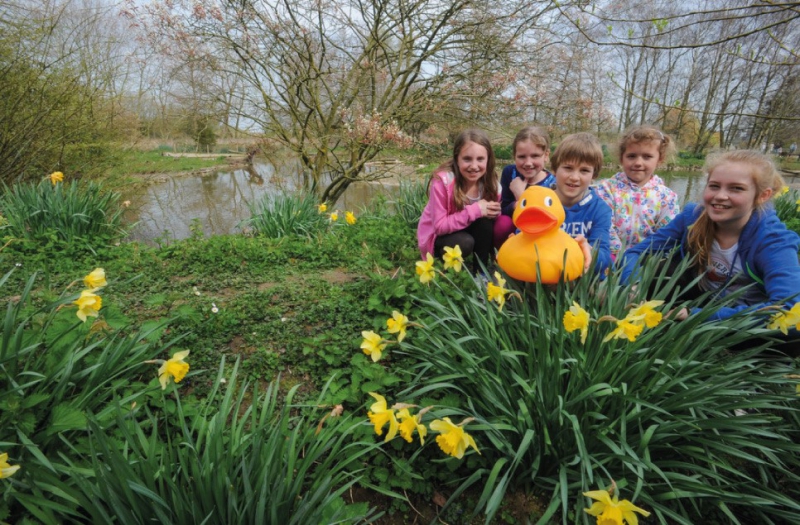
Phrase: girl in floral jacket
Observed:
(640, 201)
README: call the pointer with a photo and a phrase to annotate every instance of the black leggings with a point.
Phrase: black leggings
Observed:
(476, 238)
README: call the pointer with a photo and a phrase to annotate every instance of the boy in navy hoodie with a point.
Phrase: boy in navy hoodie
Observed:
(576, 162)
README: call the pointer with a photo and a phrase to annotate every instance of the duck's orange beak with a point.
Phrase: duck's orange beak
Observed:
(535, 220)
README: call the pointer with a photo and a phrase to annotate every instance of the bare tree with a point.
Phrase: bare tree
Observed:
(337, 81)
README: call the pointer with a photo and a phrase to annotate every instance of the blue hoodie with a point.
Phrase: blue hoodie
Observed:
(767, 253)
(591, 217)
(507, 200)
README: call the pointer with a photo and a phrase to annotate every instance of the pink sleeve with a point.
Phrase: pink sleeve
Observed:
(444, 222)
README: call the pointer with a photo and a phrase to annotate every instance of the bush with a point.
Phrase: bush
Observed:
(64, 214)
(280, 216)
(656, 414)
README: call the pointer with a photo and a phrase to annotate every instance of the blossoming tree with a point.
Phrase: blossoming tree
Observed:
(336, 81)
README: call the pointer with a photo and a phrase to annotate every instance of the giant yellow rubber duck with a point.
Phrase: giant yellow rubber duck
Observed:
(537, 253)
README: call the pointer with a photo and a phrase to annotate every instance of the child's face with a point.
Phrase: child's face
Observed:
(572, 180)
(730, 195)
(472, 160)
(530, 159)
(640, 160)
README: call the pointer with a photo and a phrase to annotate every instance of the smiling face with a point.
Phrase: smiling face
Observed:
(639, 161)
(572, 180)
(530, 160)
(731, 195)
(472, 161)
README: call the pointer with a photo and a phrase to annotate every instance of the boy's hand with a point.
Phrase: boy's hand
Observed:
(587, 251)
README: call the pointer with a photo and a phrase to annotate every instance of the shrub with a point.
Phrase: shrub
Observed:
(71, 213)
(657, 414)
(280, 216)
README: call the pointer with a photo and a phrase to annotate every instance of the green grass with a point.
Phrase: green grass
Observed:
(554, 417)
(131, 162)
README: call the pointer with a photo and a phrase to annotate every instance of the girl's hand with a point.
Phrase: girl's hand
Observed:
(587, 251)
(489, 209)
(518, 186)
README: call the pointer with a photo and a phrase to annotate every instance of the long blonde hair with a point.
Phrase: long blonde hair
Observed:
(765, 176)
(477, 136)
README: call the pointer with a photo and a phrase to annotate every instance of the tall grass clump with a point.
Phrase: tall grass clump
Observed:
(277, 216)
(411, 200)
(73, 213)
(59, 373)
(239, 457)
(685, 427)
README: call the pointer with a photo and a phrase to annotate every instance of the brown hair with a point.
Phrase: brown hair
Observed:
(534, 134)
(579, 147)
(489, 178)
(647, 133)
(765, 176)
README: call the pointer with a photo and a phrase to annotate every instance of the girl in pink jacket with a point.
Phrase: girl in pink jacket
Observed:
(463, 201)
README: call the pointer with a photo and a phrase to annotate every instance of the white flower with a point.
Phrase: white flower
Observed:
(214, 308)
(196, 291)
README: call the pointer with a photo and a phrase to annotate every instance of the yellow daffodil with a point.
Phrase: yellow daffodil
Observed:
(379, 415)
(798, 205)
(452, 439)
(784, 190)
(625, 330)
(645, 313)
(175, 367)
(497, 292)
(576, 318)
(96, 279)
(372, 345)
(334, 216)
(350, 218)
(322, 208)
(6, 470)
(611, 511)
(453, 258)
(425, 270)
(397, 325)
(88, 304)
(783, 321)
(56, 176)
(409, 423)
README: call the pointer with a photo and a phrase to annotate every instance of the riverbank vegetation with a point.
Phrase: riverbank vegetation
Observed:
(275, 349)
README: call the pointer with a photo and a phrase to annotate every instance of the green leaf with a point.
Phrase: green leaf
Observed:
(66, 417)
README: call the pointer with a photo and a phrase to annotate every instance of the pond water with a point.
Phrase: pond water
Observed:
(216, 203)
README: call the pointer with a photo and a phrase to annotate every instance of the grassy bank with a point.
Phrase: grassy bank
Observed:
(275, 327)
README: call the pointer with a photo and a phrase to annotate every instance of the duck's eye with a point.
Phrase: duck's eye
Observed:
(548, 201)
(523, 203)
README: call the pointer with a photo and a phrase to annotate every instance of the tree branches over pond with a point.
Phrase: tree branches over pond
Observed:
(337, 81)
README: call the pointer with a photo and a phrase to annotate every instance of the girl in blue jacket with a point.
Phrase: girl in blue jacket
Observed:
(734, 236)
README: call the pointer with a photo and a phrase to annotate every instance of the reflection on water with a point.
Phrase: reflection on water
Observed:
(218, 202)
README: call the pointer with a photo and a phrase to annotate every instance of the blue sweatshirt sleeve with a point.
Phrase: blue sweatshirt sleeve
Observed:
(664, 239)
(774, 261)
(599, 237)
(507, 200)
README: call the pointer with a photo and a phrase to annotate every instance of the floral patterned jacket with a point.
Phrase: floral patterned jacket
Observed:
(636, 212)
